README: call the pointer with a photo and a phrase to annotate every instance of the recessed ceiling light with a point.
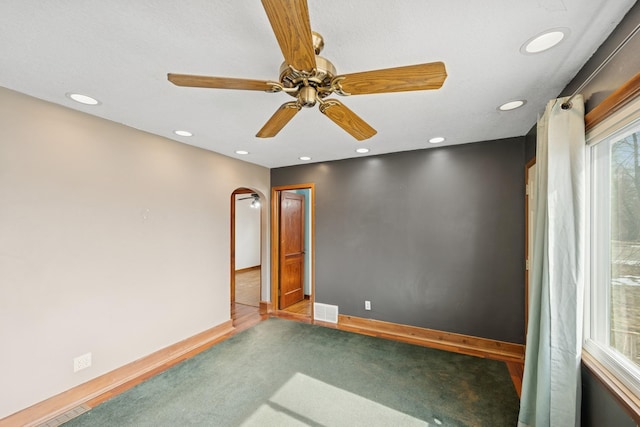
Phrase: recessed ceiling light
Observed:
(182, 133)
(83, 99)
(242, 152)
(544, 41)
(436, 140)
(512, 105)
(305, 158)
(362, 150)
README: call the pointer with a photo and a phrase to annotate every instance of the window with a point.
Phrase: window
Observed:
(612, 332)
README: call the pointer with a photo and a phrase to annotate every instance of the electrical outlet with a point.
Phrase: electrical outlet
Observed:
(367, 305)
(81, 362)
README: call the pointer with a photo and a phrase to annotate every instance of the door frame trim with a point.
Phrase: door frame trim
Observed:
(232, 269)
(275, 234)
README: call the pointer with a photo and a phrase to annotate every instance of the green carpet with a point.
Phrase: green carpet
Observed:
(285, 373)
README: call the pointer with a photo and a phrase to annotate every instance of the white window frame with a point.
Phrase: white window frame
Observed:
(596, 331)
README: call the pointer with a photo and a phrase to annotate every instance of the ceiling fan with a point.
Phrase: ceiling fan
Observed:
(256, 200)
(311, 78)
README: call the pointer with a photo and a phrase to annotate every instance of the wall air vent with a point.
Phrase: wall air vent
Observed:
(325, 312)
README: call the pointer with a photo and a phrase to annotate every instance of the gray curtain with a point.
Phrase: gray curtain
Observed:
(551, 383)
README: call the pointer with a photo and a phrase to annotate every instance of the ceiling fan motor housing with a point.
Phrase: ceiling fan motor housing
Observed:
(310, 84)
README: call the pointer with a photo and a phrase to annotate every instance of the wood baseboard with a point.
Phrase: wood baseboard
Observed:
(516, 372)
(265, 307)
(244, 270)
(111, 383)
(457, 343)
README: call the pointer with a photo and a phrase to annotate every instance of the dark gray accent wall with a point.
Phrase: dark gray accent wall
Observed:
(530, 145)
(599, 407)
(433, 238)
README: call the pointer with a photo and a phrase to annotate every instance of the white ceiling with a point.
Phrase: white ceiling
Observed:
(120, 52)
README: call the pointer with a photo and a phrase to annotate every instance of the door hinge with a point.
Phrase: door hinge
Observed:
(527, 190)
(527, 265)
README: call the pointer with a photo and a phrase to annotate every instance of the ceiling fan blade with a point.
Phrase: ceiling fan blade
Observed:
(290, 22)
(218, 82)
(347, 119)
(279, 119)
(399, 79)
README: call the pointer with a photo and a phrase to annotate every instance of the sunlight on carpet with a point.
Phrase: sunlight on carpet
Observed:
(306, 401)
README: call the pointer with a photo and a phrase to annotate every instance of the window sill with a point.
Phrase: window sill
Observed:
(625, 397)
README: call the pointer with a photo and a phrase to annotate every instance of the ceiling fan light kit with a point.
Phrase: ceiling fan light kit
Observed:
(310, 78)
(255, 203)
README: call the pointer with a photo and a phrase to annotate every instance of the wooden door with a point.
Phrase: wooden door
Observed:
(291, 248)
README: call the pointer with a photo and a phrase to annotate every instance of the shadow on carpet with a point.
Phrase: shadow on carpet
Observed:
(285, 373)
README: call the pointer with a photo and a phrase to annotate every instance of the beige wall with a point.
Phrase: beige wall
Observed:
(247, 232)
(112, 241)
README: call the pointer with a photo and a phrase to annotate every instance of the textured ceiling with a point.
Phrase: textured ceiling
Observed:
(121, 51)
